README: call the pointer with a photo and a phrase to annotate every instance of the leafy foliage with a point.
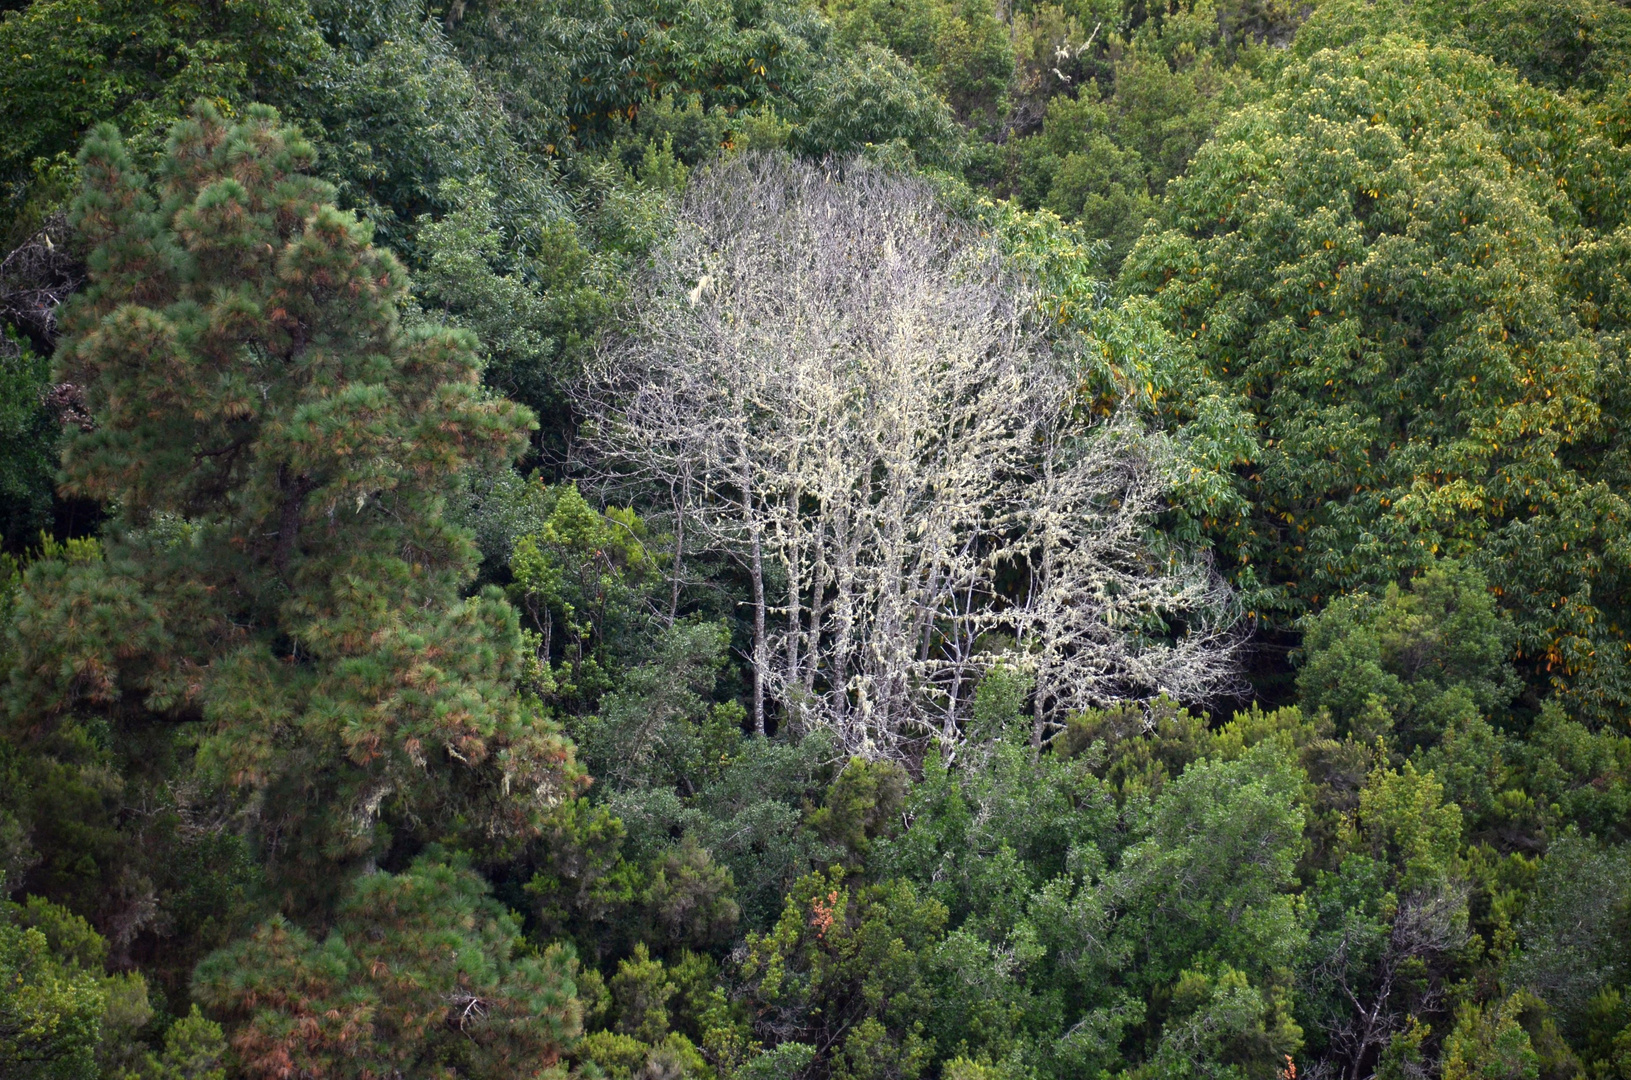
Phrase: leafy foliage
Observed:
(51, 1006)
(1408, 665)
(332, 739)
(421, 971)
(74, 63)
(313, 483)
(1374, 261)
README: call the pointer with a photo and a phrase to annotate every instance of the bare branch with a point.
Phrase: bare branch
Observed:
(838, 383)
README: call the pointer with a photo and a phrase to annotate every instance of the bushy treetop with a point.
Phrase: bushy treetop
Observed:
(276, 451)
(1387, 265)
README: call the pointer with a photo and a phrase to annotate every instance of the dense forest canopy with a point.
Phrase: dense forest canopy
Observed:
(793, 540)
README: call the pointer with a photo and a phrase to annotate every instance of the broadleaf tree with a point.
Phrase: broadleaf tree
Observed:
(1379, 263)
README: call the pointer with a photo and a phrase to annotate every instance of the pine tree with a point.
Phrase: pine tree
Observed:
(421, 976)
(281, 589)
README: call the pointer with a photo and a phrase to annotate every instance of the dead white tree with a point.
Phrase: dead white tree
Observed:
(846, 389)
(1105, 616)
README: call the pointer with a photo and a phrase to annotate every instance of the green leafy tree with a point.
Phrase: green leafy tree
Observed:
(1481, 771)
(1410, 663)
(1221, 1026)
(874, 98)
(1558, 43)
(742, 799)
(984, 836)
(66, 65)
(862, 803)
(583, 580)
(845, 970)
(689, 899)
(1606, 1048)
(52, 997)
(531, 304)
(422, 973)
(1214, 870)
(578, 73)
(1406, 822)
(657, 729)
(282, 587)
(1147, 90)
(1137, 749)
(1166, 103)
(1570, 937)
(1488, 1043)
(400, 122)
(62, 1017)
(167, 886)
(1388, 915)
(1098, 929)
(194, 1049)
(657, 1003)
(1584, 774)
(962, 47)
(1077, 169)
(1375, 262)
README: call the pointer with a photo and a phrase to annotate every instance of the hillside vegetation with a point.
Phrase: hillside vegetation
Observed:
(793, 540)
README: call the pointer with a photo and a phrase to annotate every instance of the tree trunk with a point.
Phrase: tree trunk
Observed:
(295, 490)
(793, 561)
(759, 657)
(756, 569)
(679, 548)
(818, 596)
(1036, 725)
